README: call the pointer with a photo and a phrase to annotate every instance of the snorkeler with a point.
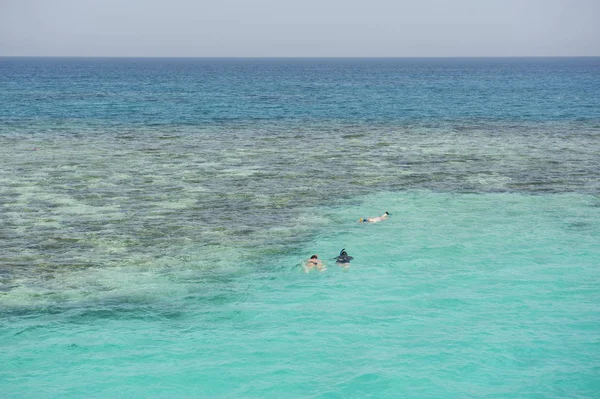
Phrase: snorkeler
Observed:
(343, 259)
(313, 262)
(374, 219)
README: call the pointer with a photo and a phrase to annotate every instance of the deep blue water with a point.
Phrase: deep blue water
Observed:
(196, 91)
(155, 215)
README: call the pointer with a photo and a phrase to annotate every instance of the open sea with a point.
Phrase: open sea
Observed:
(155, 215)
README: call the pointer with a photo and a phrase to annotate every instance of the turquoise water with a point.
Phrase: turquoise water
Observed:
(155, 215)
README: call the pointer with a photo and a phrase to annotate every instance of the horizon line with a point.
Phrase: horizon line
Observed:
(300, 57)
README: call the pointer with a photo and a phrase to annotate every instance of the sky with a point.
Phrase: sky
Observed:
(293, 28)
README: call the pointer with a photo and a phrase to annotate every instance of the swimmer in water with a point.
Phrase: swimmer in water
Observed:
(374, 219)
(343, 259)
(314, 262)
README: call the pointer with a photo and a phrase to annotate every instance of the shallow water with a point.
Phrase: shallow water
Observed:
(435, 303)
(158, 253)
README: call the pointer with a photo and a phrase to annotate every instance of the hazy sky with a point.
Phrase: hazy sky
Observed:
(293, 28)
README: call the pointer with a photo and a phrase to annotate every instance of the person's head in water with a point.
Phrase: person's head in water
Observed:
(314, 262)
(343, 259)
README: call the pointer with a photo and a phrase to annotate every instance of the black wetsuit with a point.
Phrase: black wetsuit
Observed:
(344, 259)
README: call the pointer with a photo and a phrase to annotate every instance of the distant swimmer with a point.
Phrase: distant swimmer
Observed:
(314, 262)
(375, 219)
(343, 259)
